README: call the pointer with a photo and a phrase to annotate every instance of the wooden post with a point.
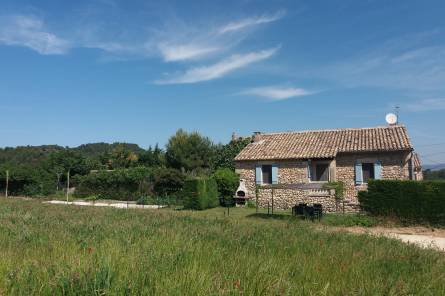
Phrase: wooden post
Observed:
(272, 201)
(7, 183)
(256, 198)
(67, 185)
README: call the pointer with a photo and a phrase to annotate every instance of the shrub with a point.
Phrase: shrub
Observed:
(251, 204)
(416, 201)
(168, 181)
(227, 181)
(143, 200)
(122, 184)
(200, 193)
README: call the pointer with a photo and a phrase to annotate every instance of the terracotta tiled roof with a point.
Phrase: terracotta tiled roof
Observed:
(326, 143)
(416, 162)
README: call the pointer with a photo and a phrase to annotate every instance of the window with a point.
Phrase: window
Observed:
(368, 172)
(266, 172)
(320, 172)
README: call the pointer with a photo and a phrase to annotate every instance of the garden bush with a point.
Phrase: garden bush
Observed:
(121, 184)
(167, 182)
(416, 201)
(200, 193)
(227, 181)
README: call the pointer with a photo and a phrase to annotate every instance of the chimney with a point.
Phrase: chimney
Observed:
(256, 137)
(234, 136)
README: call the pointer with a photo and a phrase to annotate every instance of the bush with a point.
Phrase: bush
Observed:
(227, 182)
(200, 193)
(143, 200)
(415, 201)
(168, 181)
(122, 184)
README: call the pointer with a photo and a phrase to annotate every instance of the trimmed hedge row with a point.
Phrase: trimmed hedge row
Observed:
(122, 184)
(200, 193)
(417, 201)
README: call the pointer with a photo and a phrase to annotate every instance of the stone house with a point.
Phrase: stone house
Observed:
(295, 167)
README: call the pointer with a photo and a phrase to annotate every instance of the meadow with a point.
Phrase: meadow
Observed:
(68, 250)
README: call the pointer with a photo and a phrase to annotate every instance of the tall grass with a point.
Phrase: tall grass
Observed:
(68, 250)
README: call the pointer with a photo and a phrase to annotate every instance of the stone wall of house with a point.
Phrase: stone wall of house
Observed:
(289, 172)
(285, 199)
(394, 166)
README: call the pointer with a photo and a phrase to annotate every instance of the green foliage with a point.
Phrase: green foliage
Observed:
(152, 157)
(416, 201)
(122, 184)
(143, 200)
(189, 151)
(339, 188)
(349, 220)
(251, 204)
(59, 250)
(227, 181)
(226, 153)
(434, 175)
(167, 181)
(200, 193)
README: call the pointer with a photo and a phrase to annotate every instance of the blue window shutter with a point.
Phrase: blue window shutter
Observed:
(358, 173)
(258, 174)
(309, 169)
(377, 170)
(274, 174)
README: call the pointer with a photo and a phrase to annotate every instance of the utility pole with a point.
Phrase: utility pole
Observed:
(7, 183)
(67, 185)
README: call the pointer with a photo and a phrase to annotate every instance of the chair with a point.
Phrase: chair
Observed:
(318, 211)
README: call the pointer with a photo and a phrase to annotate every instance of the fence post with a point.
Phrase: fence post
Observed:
(7, 183)
(272, 201)
(67, 185)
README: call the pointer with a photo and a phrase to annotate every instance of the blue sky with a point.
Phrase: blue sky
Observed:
(73, 72)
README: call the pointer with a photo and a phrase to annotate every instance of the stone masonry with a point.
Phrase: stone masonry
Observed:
(394, 166)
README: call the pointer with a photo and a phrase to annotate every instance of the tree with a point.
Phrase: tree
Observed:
(121, 157)
(67, 160)
(226, 153)
(189, 151)
(152, 157)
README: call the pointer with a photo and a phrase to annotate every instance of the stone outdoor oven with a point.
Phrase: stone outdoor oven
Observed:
(241, 193)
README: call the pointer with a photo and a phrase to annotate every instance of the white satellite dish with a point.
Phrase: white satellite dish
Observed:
(391, 118)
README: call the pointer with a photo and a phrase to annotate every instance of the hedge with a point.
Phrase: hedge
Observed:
(121, 184)
(200, 193)
(416, 201)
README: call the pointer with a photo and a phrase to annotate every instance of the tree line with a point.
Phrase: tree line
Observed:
(118, 170)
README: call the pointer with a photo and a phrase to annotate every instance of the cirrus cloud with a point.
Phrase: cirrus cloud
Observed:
(277, 93)
(29, 31)
(219, 69)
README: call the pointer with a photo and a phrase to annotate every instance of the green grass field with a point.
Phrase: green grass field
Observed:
(68, 250)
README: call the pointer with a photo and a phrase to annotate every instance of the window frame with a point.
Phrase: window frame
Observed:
(372, 166)
(313, 168)
(270, 174)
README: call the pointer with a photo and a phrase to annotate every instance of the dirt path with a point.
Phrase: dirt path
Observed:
(420, 236)
(120, 205)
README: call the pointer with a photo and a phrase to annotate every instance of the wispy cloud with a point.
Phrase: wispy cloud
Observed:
(426, 105)
(29, 31)
(182, 52)
(250, 22)
(219, 69)
(402, 63)
(277, 93)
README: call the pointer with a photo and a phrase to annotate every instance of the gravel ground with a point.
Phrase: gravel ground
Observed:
(120, 205)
